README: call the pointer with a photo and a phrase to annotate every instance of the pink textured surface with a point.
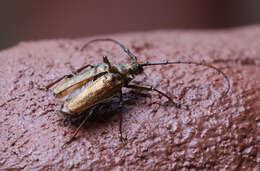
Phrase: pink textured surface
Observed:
(212, 135)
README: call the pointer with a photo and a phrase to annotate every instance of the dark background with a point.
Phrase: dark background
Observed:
(33, 20)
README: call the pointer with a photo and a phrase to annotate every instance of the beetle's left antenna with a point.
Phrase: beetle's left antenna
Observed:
(127, 51)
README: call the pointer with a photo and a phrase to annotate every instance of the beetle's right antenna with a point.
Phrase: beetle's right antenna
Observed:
(127, 51)
(190, 62)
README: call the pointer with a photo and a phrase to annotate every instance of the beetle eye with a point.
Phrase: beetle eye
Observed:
(139, 68)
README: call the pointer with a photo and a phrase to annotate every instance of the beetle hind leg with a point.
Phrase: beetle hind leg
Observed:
(74, 72)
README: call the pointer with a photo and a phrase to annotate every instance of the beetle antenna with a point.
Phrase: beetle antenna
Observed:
(189, 62)
(127, 51)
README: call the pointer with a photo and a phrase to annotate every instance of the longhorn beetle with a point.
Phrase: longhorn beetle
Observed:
(82, 91)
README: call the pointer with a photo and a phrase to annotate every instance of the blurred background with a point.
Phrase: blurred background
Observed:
(34, 20)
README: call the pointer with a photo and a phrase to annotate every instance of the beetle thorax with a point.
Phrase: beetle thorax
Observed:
(129, 69)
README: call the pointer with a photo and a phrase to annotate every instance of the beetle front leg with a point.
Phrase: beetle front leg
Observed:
(150, 88)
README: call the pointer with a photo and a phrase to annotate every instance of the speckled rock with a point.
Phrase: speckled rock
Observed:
(215, 133)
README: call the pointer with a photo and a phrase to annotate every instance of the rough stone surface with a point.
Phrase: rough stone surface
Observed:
(216, 133)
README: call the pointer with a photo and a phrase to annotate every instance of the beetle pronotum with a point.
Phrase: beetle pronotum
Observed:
(103, 81)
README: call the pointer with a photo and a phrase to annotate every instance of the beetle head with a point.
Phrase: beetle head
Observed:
(136, 68)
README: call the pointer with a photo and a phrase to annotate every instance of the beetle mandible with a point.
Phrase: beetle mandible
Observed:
(82, 91)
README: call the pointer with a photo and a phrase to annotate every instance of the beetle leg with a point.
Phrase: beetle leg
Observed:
(121, 98)
(84, 67)
(150, 88)
(122, 139)
(81, 124)
(69, 75)
(58, 80)
(76, 71)
(120, 135)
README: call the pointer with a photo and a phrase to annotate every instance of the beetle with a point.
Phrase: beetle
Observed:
(82, 91)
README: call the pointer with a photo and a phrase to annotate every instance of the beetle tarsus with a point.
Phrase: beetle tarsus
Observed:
(120, 135)
(38, 86)
(122, 139)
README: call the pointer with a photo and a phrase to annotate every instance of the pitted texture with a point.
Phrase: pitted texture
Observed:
(215, 133)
